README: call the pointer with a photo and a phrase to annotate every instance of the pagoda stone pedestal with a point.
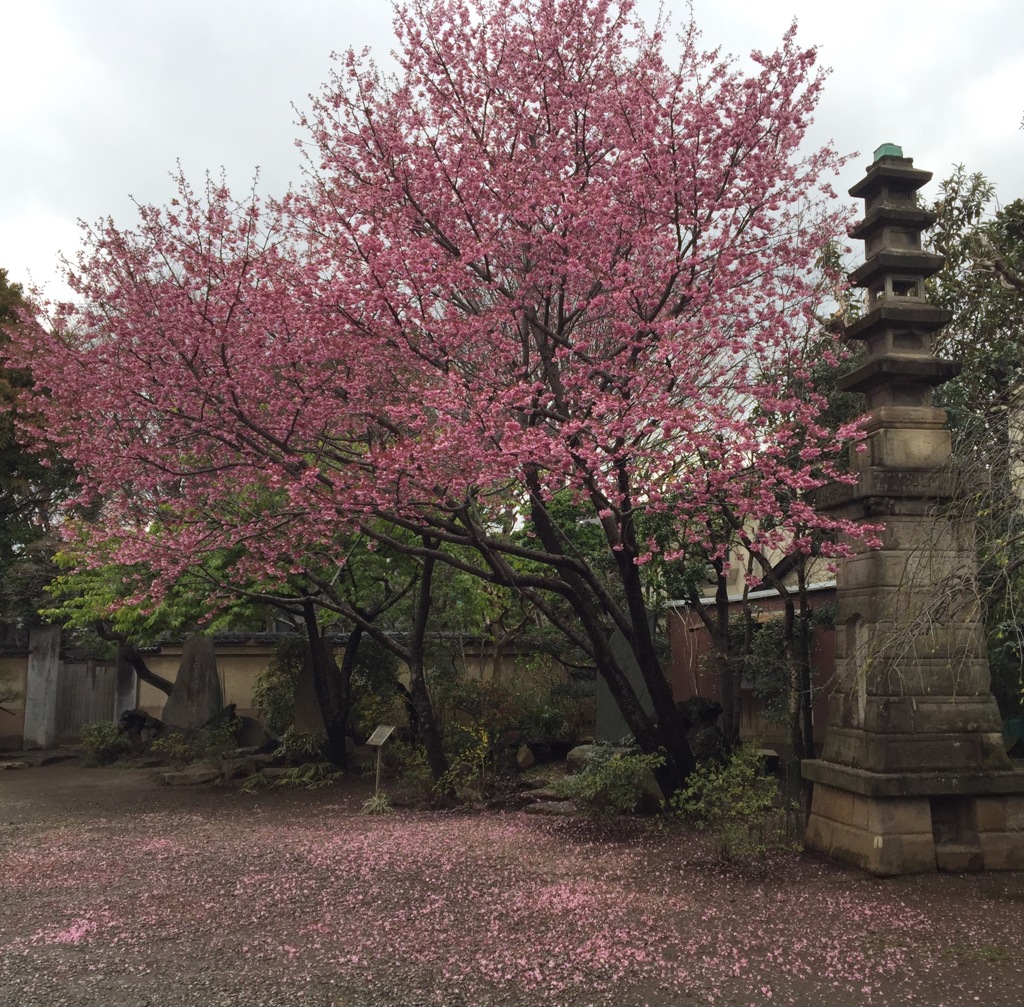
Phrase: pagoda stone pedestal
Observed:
(913, 776)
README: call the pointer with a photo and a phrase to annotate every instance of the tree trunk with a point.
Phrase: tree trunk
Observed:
(794, 696)
(804, 656)
(331, 684)
(129, 654)
(430, 734)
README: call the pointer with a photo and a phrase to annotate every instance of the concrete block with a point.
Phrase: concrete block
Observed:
(932, 715)
(898, 816)
(988, 814)
(909, 753)
(41, 687)
(834, 804)
(906, 855)
(910, 448)
(1014, 810)
(818, 834)
(910, 568)
(957, 858)
(1002, 851)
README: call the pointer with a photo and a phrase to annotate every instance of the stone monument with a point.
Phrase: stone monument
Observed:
(913, 776)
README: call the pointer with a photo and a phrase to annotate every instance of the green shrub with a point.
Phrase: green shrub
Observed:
(309, 776)
(215, 739)
(104, 741)
(404, 762)
(379, 804)
(375, 688)
(611, 783)
(469, 752)
(273, 692)
(737, 803)
(8, 693)
(303, 746)
(175, 748)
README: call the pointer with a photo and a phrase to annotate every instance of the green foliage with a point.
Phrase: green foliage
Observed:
(303, 746)
(983, 284)
(33, 487)
(82, 595)
(737, 803)
(611, 783)
(104, 741)
(213, 740)
(404, 762)
(541, 705)
(767, 671)
(8, 692)
(1006, 660)
(176, 749)
(273, 692)
(379, 804)
(470, 761)
(308, 776)
(374, 688)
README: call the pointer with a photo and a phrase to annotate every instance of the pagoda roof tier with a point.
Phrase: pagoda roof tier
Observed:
(898, 172)
(898, 367)
(902, 312)
(890, 260)
(893, 213)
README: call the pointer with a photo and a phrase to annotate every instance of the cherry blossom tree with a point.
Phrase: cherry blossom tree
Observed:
(557, 270)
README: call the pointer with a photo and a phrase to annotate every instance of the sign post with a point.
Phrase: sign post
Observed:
(377, 739)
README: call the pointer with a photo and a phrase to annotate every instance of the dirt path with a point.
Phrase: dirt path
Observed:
(118, 891)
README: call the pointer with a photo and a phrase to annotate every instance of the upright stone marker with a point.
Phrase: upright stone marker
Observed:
(913, 776)
(41, 687)
(196, 697)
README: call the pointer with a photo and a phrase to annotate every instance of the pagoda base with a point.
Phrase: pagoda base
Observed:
(916, 823)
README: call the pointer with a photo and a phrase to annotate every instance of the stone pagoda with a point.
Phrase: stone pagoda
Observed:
(914, 775)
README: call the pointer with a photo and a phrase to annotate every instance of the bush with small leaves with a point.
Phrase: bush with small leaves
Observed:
(470, 761)
(611, 783)
(302, 746)
(104, 741)
(176, 749)
(737, 803)
(273, 692)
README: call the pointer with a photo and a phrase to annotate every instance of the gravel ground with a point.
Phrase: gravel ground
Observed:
(116, 891)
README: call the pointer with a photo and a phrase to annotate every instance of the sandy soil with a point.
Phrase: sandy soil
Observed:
(119, 891)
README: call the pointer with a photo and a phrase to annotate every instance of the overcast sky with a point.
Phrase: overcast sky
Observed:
(102, 97)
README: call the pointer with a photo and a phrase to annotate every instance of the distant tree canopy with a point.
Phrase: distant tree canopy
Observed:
(983, 285)
(32, 487)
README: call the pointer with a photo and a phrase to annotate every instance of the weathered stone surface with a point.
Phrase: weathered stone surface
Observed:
(190, 777)
(525, 757)
(871, 784)
(14, 765)
(578, 757)
(959, 858)
(1002, 851)
(41, 685)
(543, 794)
(196, 697)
